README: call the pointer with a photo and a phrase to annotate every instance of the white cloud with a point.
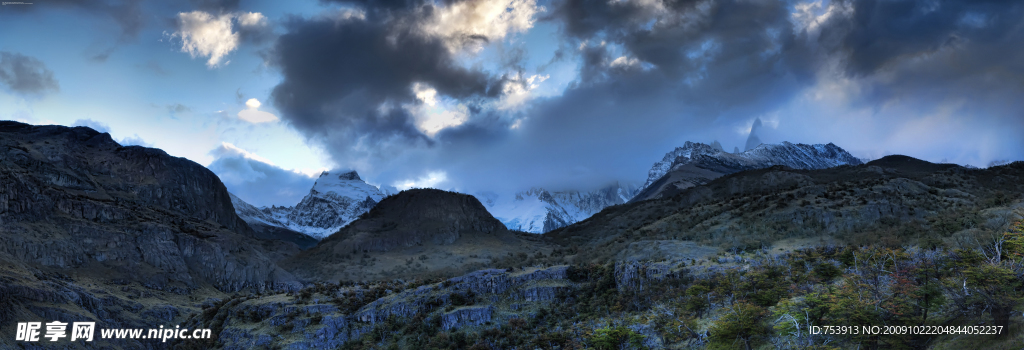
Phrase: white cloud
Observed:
(134, 140)
(625, 62)
(95, 125)
(252, 19)
(425, 93)
(811, 15)
(459, 23)
(205, 35)
(430, 180)
(228, 149)
(517, 91)
(434, 114)
(253, 115)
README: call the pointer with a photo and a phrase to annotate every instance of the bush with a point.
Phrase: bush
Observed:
(827, 271)
(614, 338)
(741, 328)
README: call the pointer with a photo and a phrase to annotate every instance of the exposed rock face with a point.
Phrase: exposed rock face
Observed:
(467, 316)
(72, 197)
(497, 296)
(696, 164)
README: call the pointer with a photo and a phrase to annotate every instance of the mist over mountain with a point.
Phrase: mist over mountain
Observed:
(336, 199)
(538, 210)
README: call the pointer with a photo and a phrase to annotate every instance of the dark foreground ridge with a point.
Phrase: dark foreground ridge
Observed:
(411, 234)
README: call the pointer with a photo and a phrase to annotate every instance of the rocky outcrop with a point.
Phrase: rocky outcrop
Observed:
(471, 300)
(72, 197)
(466, 316)
(634, 275)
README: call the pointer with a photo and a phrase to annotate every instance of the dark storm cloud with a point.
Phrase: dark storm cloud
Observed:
(935, 50)
(215, 6)
(126, 13)
(346, 78)
(26, 75)
(883, 33)
(962, 58)
(650, 77)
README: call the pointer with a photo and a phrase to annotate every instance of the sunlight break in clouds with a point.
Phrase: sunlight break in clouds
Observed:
(463, 24)
(253, 115)
(433, 115)
(206, 35)
(430, 180)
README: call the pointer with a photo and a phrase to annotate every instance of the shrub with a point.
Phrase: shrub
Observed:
(609, 338)
(741, 328)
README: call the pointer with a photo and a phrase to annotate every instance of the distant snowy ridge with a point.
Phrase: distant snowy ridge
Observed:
(336, 199)
(538, 210)
(697, 163)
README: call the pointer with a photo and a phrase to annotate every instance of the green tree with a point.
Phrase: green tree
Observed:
(743, 327)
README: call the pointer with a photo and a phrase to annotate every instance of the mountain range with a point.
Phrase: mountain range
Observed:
(538, 210)
(131, 237)
(696, 164)
(336, 199)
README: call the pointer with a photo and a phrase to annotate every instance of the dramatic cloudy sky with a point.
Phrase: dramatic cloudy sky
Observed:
(505, 95)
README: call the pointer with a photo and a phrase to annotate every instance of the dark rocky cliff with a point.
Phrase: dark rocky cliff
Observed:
(73, 199)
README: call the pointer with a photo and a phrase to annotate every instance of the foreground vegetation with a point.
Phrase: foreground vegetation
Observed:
(755, 299)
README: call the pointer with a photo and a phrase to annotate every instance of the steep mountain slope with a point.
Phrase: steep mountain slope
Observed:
(697, 163)
(266, 226)
(413, 233)
(893, 201)
(78, 212)
(336, 199)
(539, 211)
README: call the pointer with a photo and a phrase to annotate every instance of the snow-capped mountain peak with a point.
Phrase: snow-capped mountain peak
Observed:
(677, 155)
(345, 184)
(337, 198)
(697, 163)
